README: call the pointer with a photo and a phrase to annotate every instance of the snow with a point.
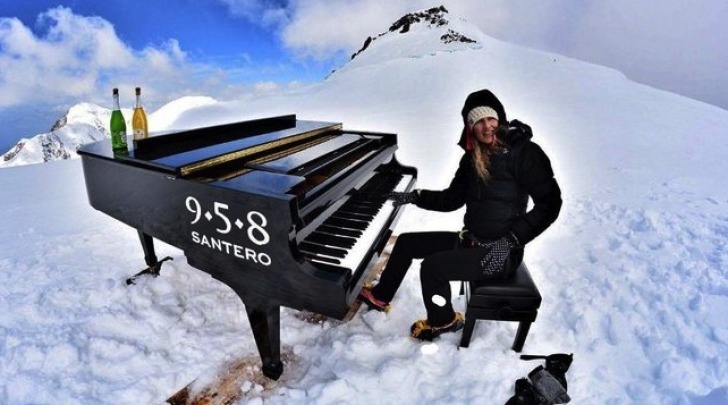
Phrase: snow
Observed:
(164, 118)
(633, 273)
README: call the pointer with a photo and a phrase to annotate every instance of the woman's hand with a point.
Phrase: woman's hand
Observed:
(494, 261)
(404, 198)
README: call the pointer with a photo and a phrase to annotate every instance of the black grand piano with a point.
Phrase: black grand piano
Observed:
(284, 211)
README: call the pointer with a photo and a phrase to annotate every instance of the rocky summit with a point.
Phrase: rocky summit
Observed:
(435, 17)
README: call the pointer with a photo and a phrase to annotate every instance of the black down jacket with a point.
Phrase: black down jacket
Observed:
(493, 209)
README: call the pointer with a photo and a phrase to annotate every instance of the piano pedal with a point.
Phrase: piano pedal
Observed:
(152, 270)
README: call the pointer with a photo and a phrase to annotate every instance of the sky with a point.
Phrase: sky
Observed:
(633, 273)
(54, 54)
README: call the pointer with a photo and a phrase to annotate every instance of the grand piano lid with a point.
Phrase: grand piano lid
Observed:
(263, 183)
(238, 140)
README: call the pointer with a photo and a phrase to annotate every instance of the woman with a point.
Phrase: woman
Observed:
(500, 169)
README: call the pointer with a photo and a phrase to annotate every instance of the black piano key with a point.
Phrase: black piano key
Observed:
(345, 223)
(313, 248)
(358, 223)
(339, 231)
(353, 212)
(331, 240)
(355, 215)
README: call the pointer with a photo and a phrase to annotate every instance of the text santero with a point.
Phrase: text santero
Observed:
(229, 248)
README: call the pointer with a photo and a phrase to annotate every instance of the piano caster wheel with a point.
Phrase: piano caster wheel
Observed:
(273, 370)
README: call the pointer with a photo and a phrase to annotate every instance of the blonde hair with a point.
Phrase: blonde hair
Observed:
(481, 157)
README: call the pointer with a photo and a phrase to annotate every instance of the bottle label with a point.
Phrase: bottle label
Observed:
(118, 140)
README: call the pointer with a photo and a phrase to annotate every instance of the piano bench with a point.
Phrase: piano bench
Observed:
(516, 299)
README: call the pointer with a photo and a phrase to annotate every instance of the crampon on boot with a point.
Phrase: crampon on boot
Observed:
(424, 331)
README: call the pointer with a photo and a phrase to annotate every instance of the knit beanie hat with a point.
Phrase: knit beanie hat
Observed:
(478, 113)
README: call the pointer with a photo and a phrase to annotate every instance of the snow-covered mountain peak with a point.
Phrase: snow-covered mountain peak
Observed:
(83, 123)
(417, 34)
(83, 111)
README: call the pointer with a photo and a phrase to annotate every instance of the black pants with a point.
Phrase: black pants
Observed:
(444, 261)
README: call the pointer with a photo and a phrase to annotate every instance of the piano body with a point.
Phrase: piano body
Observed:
(283, 211)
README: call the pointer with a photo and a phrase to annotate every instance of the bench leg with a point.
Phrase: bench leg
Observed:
(467, 331)
(521, 335)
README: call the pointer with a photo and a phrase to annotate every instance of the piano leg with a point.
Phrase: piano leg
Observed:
(149, 257)
(265, 322)
(148, 245)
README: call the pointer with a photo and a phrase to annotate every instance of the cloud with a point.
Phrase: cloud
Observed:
(674, 45)
(320, 29)
(71, 58)
(74, 57)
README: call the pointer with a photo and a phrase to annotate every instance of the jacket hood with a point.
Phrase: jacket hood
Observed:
(517, 132)
(481, 98)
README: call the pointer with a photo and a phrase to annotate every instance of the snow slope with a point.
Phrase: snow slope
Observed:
(633, 273)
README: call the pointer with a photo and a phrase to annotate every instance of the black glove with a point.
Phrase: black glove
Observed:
(525, 394)
(557, 364)
(548, 387)
(493, 263)
(404, 198)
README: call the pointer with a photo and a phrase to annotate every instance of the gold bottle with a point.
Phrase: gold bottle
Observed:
(139, 119)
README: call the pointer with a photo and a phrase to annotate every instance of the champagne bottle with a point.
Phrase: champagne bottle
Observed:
(139, 119)
(118, 125)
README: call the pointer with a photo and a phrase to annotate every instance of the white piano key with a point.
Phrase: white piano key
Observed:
(356, 254)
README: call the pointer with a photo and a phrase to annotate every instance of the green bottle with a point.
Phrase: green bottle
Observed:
(117, 126)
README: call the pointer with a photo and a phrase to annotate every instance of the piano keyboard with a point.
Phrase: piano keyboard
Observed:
(345, 238)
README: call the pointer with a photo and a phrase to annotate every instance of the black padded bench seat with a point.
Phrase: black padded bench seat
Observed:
(515, 299)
